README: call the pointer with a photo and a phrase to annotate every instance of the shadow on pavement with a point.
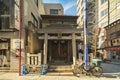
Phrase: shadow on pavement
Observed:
(109, 76)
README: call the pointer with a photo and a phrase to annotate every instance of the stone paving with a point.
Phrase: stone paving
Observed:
(111, 72)
(15, 76)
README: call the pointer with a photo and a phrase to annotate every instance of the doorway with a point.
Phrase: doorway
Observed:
(59, 50)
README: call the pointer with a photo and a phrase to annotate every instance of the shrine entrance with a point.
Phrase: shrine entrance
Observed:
(60, 50)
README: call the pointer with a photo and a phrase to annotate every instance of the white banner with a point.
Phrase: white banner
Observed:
(17, 14)
(15, 44)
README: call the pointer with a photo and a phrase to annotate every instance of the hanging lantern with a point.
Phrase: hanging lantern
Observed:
(111, 48)
(118, 48)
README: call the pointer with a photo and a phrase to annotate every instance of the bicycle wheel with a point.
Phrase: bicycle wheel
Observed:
(76, 70)
(81, 68)
(97, 71)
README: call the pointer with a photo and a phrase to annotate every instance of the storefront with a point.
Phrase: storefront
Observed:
(112, 43)
(4, 54)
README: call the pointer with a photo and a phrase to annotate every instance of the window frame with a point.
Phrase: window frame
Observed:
(54, 11)
(104, 12)
(34, 20)
(36, 2)
(103, 1)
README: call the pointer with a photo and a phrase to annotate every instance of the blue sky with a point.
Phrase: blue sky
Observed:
(68, 5)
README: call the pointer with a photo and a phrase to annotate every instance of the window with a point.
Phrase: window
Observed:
(104, 24)
(104, 12)
(78, 9)
(36, 2)
(82, 10)
(118, 5)
(102, 38)
(103, 1)
(5, 14)
(4, 21)
(34, 20)
(53, 11)
(82, 18)
(82, 2)
(55, 22)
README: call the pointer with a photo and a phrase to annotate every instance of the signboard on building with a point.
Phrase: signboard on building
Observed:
(17, 14)
(3, 45)
(15, 44)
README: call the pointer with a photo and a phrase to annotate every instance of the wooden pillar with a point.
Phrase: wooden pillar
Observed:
(28, 58)
(59, 52)
(45, 48)
(74, 48)
(50, 51)
(68, 54)
(39, 58)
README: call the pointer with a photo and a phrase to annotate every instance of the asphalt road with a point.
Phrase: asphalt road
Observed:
(111, 70)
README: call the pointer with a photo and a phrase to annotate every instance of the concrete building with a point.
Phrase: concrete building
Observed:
(53, 9)
(108, 12)
(13, 14)
(105, 12)
(112, 42)
(92, 19)
(108, 15)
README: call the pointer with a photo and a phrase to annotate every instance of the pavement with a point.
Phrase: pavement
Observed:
(15, 76)
(110, 72)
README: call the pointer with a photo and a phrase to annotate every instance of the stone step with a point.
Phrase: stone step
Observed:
(60, 63)
(8, 70)
(60, 68)
(59, 74)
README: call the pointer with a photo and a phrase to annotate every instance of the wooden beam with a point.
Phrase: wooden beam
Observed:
(59, 31)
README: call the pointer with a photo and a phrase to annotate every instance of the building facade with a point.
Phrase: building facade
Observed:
(92, 19)
(14, 21)
(60, 39)
(112, 42)
(53, 9)
(108, 13)
(100, 14)
(37, 34)
(59, 31)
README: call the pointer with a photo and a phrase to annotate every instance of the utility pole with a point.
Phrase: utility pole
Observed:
(86, 59)
(20, 36)
(108, 12)
(95, 37)
(95, 40)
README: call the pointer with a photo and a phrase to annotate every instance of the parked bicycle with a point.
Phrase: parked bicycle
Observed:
(92, 69)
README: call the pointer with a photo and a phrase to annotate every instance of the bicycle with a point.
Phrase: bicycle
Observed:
(90, 70)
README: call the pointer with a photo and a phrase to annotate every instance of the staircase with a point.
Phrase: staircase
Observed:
(59, 69)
